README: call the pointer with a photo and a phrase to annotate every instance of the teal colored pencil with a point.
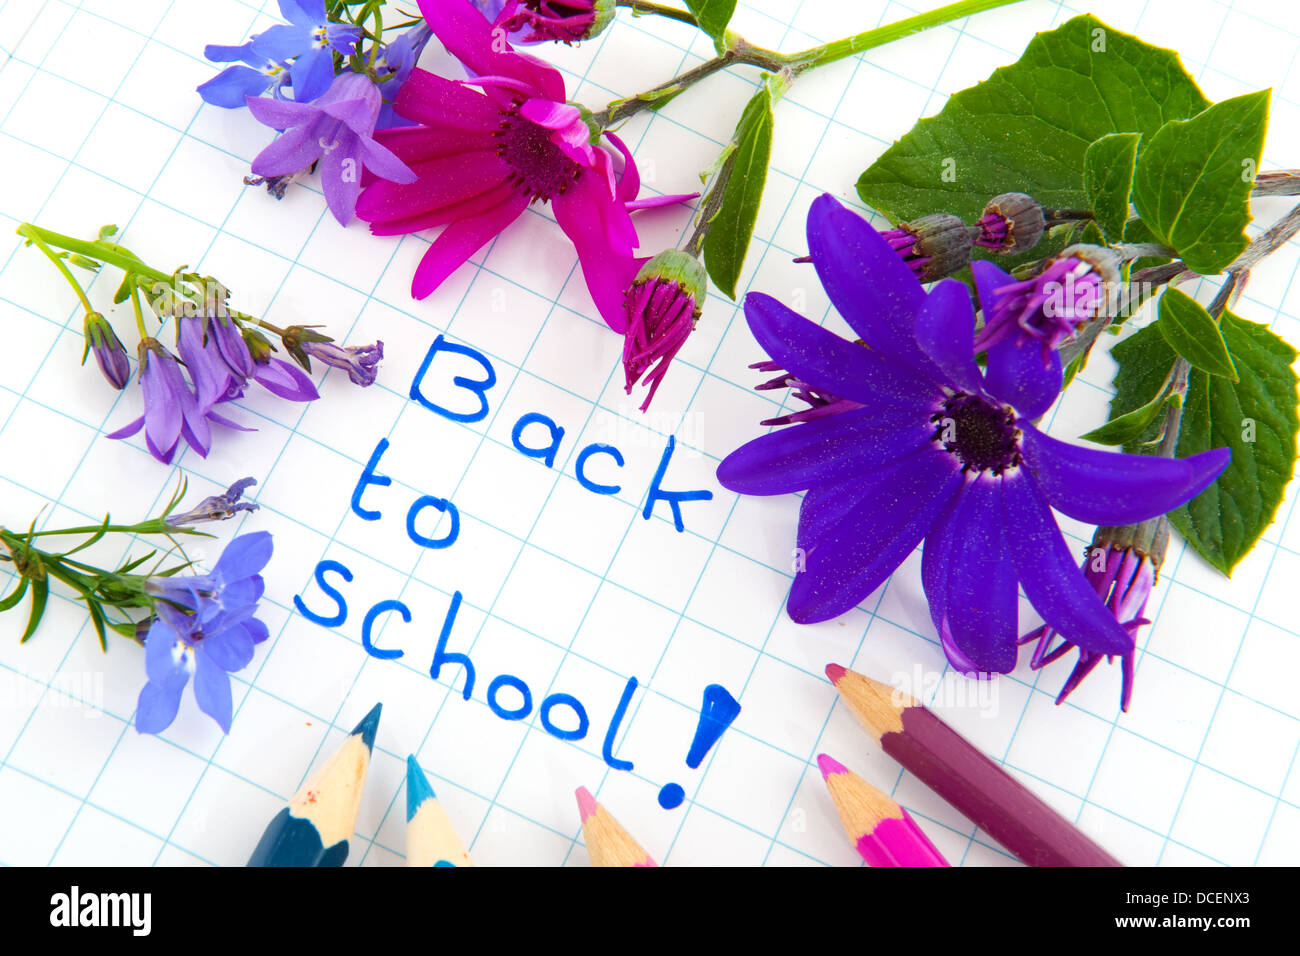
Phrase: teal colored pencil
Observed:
(313, 830)
(430, 838)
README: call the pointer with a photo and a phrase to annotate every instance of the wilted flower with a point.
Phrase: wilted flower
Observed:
(561, 21)
(940, 452)
(1071, 290)
(216, 507)
(359, 361)
(336, 130)
(206, 629)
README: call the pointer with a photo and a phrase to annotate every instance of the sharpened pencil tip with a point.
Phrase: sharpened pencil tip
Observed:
(829, 766)
(586, 804)
(418, 789)
(835, 672)
(368, 727)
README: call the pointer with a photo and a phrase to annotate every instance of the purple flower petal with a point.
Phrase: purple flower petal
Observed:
(282, 42)
(212, 691)
(281, 114)
(244, 556)
(827, 450)
(979, 600)
(231, 649)
(311, 74)
(289, 152)
(1049, 573)
(945, 330)
(157, 705)
(1112, 488)
(284, 380)
(845, 250)
(162, 661)
(988, 279)
(1017, 375)
(233, 86)
(830, 364)
(848, 561)
(383, 162)
(340, 178)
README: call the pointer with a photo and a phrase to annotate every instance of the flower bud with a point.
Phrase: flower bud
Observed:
(110, 354)
(1011, 222)
(933, 246)
(662, 307)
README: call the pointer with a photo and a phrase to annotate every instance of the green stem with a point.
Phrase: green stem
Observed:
(39, 242)
(658, 10)
(743, 53)
(105, 252)
(839, 49)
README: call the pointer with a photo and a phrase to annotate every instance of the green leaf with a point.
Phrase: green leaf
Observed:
(741, 179)
(97, 619)
(40, 593)
(1127, 427)
(713, 17)
(1256, 418)
(1108, 180)
(15, 595)
(1027, 128)
(1192, 333)
(1193, 181)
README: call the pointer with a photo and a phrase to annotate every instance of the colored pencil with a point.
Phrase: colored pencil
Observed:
(608, 844)
(958, 771)
(430, 838)
(882, 831)
(313, 830)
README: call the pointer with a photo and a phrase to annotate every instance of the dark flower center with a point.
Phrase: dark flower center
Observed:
(538, 167)
(981, 434)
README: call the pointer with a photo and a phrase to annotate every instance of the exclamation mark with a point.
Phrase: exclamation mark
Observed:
(716, 715)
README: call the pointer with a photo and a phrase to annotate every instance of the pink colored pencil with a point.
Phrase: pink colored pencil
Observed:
(608, 844)
(883, 832)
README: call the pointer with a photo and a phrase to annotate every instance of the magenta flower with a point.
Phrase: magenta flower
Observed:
(1123, 579)
(482, 157)
(337, 129)
(941, 452)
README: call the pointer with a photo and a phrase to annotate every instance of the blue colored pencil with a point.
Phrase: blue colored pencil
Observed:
(430, 838)
(313, 830)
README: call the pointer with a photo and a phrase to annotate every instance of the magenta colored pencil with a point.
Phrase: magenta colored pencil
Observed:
(883, 832)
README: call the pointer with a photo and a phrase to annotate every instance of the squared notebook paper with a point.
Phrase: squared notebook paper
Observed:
(567, 591)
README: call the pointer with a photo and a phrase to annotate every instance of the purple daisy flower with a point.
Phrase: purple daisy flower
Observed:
(205, 629)
(337, 130)
(939, 452)
(307, 43)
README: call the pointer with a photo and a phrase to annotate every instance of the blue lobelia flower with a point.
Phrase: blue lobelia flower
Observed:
(395, 62)
(231, 86)
(206, 629)
(306, 43)
(938, 451)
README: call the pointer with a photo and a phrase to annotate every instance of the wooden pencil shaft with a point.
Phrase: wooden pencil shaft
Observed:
(989, 796)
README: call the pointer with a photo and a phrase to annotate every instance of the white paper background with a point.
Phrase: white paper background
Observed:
(573, 592)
